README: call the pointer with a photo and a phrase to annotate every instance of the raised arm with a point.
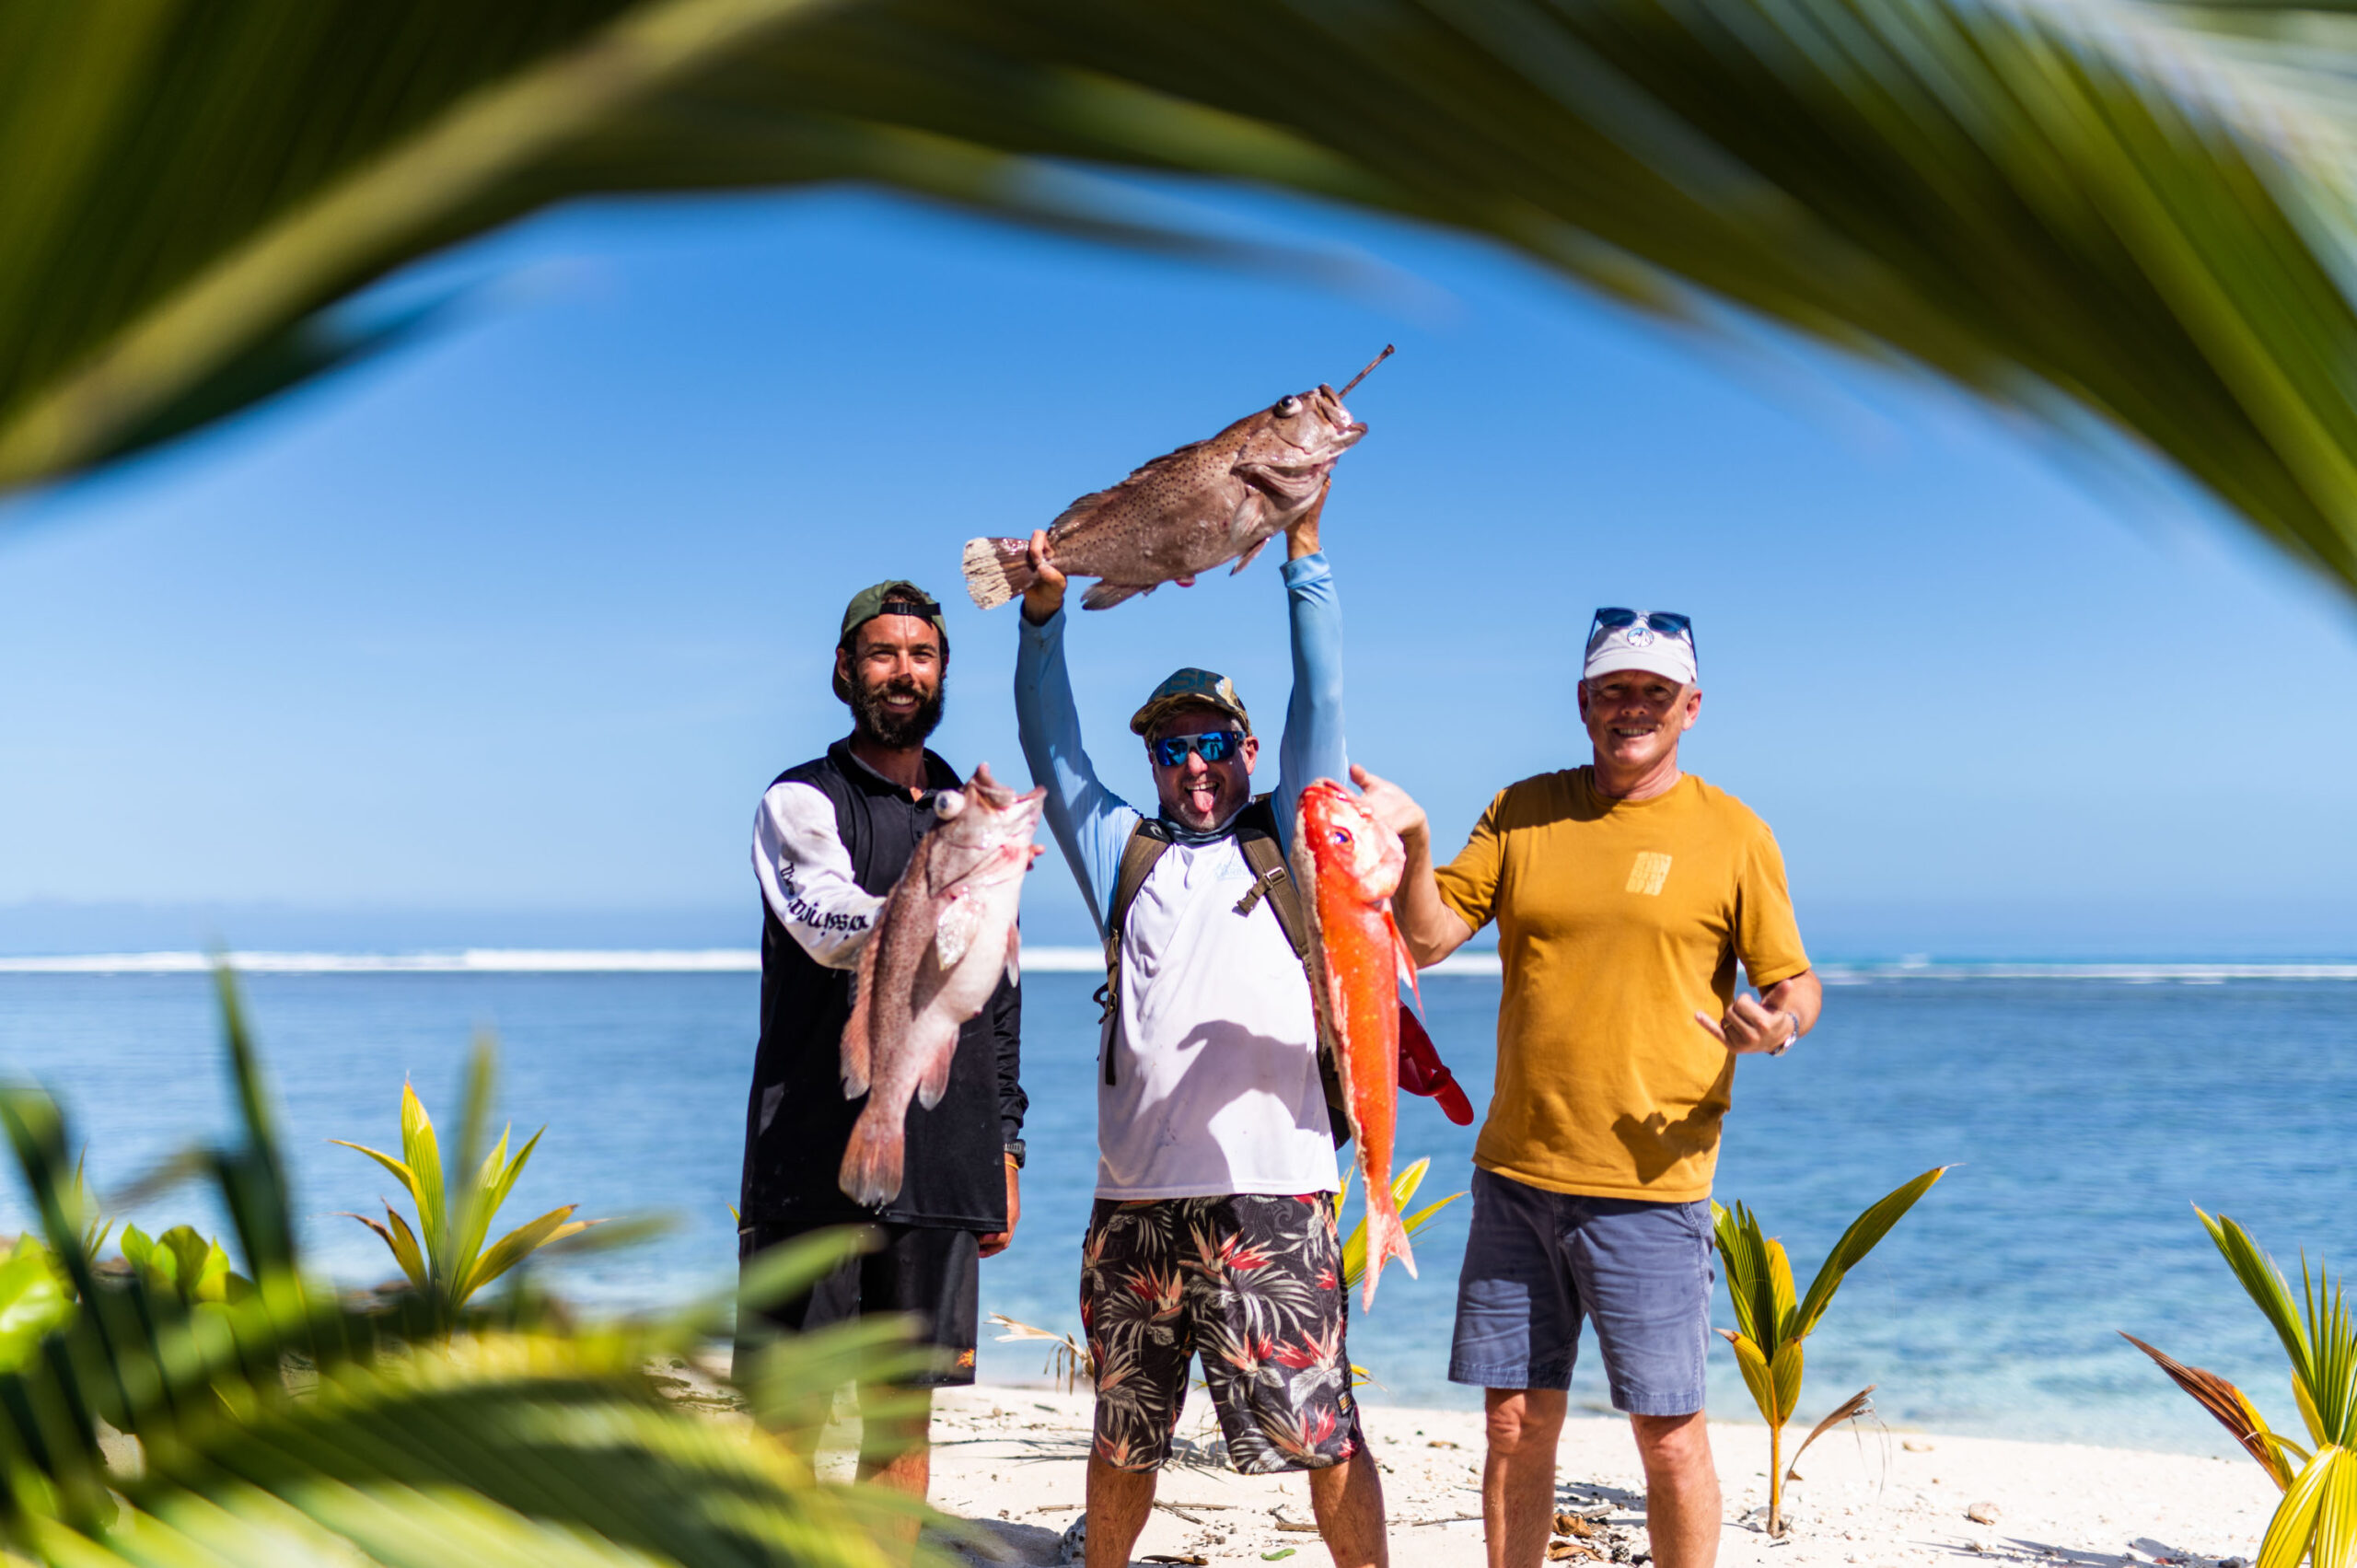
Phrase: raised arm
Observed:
(1312, 746)
(1091, 824)
(805, 875)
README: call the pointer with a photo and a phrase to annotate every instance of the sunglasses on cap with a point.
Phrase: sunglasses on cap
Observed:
(1667, 622)
(1218, 745)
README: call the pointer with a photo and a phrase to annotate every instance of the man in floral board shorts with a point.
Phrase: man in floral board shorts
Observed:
(1213, 1232)
(1625, 893)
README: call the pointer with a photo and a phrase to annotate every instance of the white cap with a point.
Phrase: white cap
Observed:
(1639, 646)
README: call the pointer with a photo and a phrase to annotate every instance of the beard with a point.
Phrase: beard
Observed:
(894, 731)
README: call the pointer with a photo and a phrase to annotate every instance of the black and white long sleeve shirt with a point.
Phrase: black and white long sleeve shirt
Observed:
(829, 838)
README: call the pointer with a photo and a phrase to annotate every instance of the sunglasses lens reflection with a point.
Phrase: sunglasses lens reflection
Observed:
(1215, 747)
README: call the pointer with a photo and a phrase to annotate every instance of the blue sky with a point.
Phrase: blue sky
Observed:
(503, 635)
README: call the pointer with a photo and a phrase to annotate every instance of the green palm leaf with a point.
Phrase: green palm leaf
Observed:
(1864, 1232)
(530, 1444)
(2263, 1283)
(2126, 216)
(446, 1261)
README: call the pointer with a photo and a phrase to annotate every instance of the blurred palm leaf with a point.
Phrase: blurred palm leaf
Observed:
(275, 1426)
(2115, 213)
(191, 1265)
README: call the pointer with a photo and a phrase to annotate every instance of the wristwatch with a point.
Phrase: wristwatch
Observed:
(1015, 1153)
(1787, 1045)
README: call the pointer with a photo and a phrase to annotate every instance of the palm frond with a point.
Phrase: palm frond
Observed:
(2263, 1283)
(2233, 1410)
(2122, 215)
(1858, 1404)
(1864, 1232)
(533, 1443)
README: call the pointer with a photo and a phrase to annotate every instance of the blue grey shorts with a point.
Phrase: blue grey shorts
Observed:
(1537, 1262)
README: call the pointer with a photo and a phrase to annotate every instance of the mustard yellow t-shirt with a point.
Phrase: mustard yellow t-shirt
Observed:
(1618, 921)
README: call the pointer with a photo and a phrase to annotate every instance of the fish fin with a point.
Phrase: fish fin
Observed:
(859, 1029)
(1246, 559)
(1294, 489)
(935, 1082)
(953, 930)
(871, 1161)
(1387, 1237)
(1014, 956)
(1105, 595)
(1077, 512)
(997, 570)
(1403, 958)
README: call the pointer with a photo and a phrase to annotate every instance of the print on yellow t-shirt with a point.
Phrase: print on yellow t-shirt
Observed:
(1650, 870)
(1605, 1085)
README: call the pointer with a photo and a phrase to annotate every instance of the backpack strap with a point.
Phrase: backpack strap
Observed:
(1138, 859)
(1256, 835)
(1272, 880)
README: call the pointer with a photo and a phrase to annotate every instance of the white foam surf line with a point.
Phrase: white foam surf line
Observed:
(2128, 974)
(1038, 960)
(473, 960)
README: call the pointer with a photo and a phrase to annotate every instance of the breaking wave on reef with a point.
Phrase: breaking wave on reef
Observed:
(1050, 960)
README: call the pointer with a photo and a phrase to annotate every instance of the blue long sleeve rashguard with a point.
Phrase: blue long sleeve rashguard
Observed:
(1090, 822)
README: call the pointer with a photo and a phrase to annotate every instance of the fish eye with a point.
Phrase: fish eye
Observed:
(1341, 835)
(1287, 406)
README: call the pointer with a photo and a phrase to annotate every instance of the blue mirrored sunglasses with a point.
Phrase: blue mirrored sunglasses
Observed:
(1172, 750)
(1668, 623)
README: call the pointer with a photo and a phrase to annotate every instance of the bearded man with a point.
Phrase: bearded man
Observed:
(830, 840)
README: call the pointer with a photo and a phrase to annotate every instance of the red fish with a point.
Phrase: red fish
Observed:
(1348, 866)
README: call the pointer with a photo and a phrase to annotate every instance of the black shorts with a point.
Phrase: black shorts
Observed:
(1252, 1285)
(934, 1274)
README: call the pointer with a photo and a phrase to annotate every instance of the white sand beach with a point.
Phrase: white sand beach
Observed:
(1011, 1459)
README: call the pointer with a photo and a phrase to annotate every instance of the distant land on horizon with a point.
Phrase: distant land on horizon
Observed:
(2054, 931)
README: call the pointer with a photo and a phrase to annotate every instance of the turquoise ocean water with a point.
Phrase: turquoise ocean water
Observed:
(2086, 1112)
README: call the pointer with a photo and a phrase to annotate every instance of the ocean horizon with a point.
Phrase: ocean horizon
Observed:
(1063, 960)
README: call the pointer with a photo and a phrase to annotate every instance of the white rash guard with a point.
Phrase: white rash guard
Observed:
(1216, 1086)
(805, 875)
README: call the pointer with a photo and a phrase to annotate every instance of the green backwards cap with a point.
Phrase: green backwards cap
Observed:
(1191, 688)
(892, 598)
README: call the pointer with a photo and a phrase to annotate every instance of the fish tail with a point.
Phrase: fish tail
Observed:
(997, 570)
(1387, 1237)
(871, 1172)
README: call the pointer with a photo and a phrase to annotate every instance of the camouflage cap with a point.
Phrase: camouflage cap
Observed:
(895, 597)
(1190, 688)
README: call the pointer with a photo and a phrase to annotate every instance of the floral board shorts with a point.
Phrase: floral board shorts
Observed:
(1253, 1283)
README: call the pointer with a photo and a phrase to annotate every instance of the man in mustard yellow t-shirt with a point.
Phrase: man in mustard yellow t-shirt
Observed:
(1624, 893)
